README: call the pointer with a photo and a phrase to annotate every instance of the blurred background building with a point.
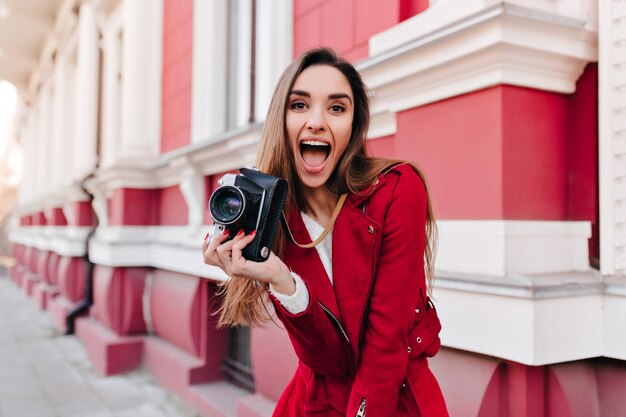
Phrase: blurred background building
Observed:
(131, 110)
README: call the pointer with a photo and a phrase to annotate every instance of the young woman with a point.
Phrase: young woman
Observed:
(355, 306)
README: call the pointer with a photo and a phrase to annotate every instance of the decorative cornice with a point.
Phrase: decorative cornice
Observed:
(221, 153)
(457, 47)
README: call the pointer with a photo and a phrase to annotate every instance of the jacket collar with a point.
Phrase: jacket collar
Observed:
(357, 200)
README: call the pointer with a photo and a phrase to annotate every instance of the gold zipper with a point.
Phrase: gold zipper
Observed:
(361, 411)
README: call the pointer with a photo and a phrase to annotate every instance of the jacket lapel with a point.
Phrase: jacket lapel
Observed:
(355, 238)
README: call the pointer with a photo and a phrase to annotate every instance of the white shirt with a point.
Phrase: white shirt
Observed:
(299, 300)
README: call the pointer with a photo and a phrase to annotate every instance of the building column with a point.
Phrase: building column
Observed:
(59, 129)
(141, 81)
(208, 113)
(87, 93)
(111, 114)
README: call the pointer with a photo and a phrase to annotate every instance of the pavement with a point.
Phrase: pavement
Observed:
(46, 374)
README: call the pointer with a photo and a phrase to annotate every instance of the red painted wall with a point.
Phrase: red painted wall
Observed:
(171, 207)
(582, 137)
(82, 213)
(133, 207)
(460, 150)
(534, 165)
(176, 82)
(39, 219)
(56, 217)
(505, 152)
(347, 25)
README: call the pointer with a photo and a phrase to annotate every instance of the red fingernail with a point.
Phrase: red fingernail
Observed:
(252, 233)
(225, 232)
(206, 237)
(240, 232)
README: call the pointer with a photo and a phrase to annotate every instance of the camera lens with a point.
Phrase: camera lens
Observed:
(226, 204)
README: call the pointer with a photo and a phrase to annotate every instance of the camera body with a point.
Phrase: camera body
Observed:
(250, 200)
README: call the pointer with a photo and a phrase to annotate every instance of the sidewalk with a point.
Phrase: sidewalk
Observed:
(45, 374)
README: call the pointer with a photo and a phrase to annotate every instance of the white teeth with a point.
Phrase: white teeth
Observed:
(314, 143)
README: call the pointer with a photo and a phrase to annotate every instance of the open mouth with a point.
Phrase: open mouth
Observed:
(314, 152)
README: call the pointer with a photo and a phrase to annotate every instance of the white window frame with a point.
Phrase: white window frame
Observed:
(273, 43)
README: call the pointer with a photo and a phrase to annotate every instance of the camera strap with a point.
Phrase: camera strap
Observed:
(329, 226)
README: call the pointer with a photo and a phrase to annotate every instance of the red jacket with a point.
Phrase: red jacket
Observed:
(364, 339)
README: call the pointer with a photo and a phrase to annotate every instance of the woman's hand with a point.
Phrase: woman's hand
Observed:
(228, 256)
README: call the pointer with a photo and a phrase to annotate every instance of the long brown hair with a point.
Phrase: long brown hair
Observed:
(245, 301)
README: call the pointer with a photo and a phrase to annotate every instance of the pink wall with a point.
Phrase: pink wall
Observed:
(82, 213)
(145, 207)
(132, 207)
(39, 219)
(347, 25)
(534, 163)
(504, 153)
(176, 82)
(582, 136)
(458, 142)
(171, 207)
(56, 217)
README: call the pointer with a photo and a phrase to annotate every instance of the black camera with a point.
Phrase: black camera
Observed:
(250, 200)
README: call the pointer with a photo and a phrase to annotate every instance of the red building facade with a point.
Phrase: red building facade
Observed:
(498, 101)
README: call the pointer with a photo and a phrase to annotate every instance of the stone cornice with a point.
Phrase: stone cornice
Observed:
(455, 48)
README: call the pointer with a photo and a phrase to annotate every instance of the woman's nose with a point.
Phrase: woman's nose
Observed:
(316, 120)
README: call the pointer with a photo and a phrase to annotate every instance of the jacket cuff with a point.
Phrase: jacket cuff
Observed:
(298, 301)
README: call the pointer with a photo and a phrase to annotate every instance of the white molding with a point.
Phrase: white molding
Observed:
(614, 312)
(382, 124)
(500, 247)
(193, 190)
(175, 248)
(524, 330)
(612, 137)
(64, 240)
(457, 47)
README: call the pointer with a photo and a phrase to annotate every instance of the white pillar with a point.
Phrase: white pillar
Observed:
(208, 111)
(274, 49)
(111, 113)
(27, 138)
(86, 112)
(612, 136)
(69, 137)
(141, 80)
(39, 145)
(59, 129)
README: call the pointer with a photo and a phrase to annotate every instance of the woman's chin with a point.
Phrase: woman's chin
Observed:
(313, 180)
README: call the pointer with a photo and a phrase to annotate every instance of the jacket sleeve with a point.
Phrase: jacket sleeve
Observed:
(393, 299)
(316, 343)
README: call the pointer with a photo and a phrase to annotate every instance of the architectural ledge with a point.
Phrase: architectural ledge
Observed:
(65, 240)
(457, 47)
(223, 152)
(533, 286)
(536, 319)
(174, 248)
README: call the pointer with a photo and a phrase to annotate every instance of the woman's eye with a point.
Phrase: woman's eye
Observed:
(298, 105)
(337, 108)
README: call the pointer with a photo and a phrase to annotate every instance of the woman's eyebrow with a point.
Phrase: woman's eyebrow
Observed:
(333, 96)
(339, 95)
